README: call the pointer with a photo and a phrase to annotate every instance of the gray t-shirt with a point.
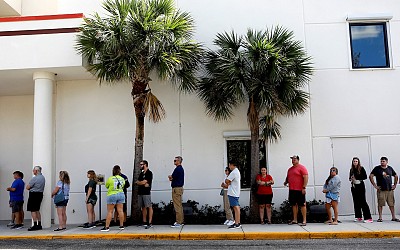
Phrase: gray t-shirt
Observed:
(37, 183)
(334, 184)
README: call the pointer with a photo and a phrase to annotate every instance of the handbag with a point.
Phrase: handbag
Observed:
(221, 192)
(60, 197)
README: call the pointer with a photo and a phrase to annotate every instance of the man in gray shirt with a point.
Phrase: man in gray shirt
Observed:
(36, 188)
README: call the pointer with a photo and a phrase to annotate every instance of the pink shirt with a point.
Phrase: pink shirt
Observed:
(295, 177)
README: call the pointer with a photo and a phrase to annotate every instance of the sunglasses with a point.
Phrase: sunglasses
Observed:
(333, 170)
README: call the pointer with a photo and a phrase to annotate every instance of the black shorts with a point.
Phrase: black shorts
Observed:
(16, 206)
(34, 201)
(296, 197)
(264, 199)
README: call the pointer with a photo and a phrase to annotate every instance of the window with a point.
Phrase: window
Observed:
(369, 45)
(240, 151)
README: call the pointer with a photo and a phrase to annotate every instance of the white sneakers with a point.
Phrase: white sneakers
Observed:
(230, 223)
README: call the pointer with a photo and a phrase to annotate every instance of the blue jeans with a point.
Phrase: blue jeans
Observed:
(118, 198)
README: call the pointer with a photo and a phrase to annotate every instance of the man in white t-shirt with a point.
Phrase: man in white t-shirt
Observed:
(233, 182)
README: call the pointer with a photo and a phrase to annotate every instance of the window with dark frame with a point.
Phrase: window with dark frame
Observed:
(240, 152)
(369, 45)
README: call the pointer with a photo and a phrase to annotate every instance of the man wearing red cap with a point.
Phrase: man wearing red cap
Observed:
(297, 179)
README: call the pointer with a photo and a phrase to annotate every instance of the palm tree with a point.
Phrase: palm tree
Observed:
(266, 70)
(134, 39)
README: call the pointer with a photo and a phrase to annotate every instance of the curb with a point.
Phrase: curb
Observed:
(216, 236)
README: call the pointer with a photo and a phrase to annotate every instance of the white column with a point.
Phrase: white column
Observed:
(43, 137)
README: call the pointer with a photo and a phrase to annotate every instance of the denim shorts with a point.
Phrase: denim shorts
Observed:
(118, 198)
(62, 203)
(233, 201)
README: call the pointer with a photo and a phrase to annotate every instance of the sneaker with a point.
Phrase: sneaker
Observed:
(89, 226)
(226, 222)
(34, 228)
(230, 223)
(357, 219)
(176, 225)
(17, 226)
(149, 226)
(235, 226)
(121, 227)
(11, 224)
(144, 224)
(368, 221)
(105, 229)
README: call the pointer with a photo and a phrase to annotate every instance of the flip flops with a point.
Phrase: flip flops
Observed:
(302, 224)
(292, 222)
(395, 219)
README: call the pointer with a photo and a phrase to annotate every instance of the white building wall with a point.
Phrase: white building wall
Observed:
(94, 125)
(16, 139)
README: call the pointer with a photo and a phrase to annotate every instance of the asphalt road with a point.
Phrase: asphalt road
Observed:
(392, 243)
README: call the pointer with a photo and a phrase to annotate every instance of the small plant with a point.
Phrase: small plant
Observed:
(164, 213)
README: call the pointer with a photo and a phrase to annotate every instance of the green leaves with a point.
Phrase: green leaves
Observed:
(135, 38)
(268, 69)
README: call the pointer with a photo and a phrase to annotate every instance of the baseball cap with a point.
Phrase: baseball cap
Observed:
(295, 156)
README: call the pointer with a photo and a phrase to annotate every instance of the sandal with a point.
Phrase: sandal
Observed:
(303, 224)
(379, 220)
(395, 219)
(334, 223)
(328, 222)
(292, 222)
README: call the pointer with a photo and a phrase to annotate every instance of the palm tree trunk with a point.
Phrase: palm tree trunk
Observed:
(139, 139)
(253, 120)
(255, 169)
(138, 88)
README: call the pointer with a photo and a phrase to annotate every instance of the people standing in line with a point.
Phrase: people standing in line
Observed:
(36, 187)
(356, 177)
(144, 183)
(177, 180)
(233, 182)
(125, 189)
(384, 186)
(91, 199)
(115, 198)
(62, 187)
(297, 179)
(264, 194)
(332, 193)
(227, 207)
(17, 199)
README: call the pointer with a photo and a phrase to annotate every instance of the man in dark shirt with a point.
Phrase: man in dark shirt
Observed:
(385, 189)
(177, 181)
(144, 193)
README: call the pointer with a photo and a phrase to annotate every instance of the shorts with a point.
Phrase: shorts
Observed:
(233, 201)
(385, 197)
(144, 200)
(296, 197)
(34, 201)
(329, 201)
(118, 198)
(264, 199)
(16, 206)
(92, 201)
(62, 203)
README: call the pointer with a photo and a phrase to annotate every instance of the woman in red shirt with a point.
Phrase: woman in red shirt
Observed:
(264, 194)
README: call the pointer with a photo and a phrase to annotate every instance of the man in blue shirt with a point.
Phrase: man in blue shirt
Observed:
(17, 199)
(177, 180)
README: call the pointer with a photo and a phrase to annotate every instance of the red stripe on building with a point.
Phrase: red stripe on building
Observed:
(38, 32)
(40, 18)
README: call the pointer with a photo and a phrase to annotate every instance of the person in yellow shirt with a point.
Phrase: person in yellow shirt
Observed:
(115, 198)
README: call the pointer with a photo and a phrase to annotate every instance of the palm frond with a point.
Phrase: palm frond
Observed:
(270, 129)
(153, 108)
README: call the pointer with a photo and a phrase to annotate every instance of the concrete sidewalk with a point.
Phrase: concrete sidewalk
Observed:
(346, 229)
